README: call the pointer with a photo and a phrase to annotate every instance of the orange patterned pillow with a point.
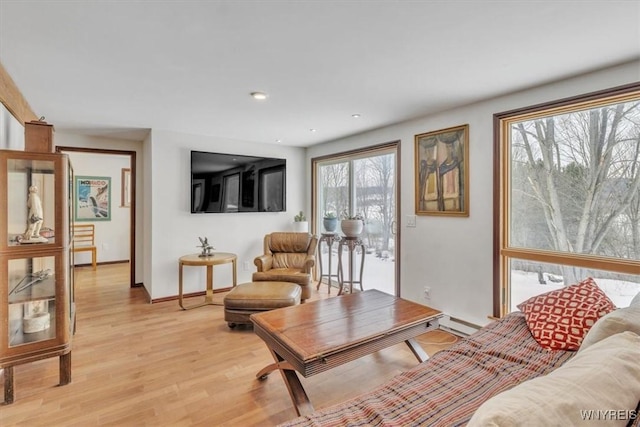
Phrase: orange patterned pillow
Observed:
(560, 319)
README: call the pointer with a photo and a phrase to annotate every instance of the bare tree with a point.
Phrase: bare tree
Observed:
(582, 170)
(375, 189)
(380, 171)
(335, 188)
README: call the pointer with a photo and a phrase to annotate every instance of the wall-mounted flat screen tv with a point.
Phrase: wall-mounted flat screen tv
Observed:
(223, 182)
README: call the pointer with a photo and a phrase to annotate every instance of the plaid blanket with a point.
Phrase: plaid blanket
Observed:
(448, 388)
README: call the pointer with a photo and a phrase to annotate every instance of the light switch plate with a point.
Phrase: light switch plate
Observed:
(411, 220)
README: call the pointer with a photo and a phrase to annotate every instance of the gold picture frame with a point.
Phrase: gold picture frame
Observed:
(442, 172)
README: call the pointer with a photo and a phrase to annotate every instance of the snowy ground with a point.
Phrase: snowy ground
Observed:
(378, 274)
(524, 285)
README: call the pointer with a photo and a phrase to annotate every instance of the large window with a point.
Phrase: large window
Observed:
(568, 197)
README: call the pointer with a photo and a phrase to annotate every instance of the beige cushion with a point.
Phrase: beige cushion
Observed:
(605, 376)
(620, 320)
(282, 275)
(289, 260)
(289, 242)
(262, 296)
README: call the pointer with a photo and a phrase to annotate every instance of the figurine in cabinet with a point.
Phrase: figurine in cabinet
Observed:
(36, 317)
(34, 219)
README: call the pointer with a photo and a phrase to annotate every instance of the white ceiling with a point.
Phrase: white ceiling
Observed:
(119, 68)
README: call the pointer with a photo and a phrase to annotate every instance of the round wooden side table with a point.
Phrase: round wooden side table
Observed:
(207, 261)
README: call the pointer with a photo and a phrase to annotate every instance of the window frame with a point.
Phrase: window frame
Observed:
(502, 253)
(349, 157)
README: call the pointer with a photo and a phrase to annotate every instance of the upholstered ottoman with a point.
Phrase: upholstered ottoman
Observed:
(255, 297)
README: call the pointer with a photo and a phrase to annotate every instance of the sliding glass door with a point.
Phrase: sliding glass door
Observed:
(361, 183)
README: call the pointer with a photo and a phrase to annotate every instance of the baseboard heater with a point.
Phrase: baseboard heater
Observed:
(457, 326)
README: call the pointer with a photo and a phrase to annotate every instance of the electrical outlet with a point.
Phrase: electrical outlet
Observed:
(427, 293)
(246, 266)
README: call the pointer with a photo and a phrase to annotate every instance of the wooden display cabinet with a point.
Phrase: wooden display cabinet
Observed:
(36, 295)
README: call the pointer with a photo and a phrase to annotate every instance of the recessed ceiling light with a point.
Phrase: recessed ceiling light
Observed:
(278, 140)
(355, 116)
(312, 130)
(259, 95)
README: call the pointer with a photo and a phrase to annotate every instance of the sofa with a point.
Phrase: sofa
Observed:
(503, 376)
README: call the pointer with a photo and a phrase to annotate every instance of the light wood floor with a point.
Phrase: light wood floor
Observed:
(140, 364)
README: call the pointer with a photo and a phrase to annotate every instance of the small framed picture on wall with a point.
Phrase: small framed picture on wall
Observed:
(92, 198)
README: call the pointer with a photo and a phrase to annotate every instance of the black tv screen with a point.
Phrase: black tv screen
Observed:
(223, 182)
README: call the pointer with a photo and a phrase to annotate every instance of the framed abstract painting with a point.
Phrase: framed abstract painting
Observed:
(442, 172)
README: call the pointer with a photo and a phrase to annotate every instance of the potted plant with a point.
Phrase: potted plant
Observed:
(352, 225)
(330, 221)
(300, 223)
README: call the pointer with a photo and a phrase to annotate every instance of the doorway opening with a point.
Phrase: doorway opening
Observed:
(122, 198)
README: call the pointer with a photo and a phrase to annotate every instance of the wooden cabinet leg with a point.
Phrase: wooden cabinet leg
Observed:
(8, 384)
(65, 369)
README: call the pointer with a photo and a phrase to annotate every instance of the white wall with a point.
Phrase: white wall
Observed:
(84, 141)
(11, 131)
(175, 231)
(454, 255)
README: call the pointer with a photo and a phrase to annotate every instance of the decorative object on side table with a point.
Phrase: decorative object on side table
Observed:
(352, 225)
(300, 223)
(207, 249)
(330, 222)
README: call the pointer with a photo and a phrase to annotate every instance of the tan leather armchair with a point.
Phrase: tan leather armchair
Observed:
(288, 257)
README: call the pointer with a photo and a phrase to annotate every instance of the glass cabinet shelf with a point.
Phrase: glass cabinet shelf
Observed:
(31, 299)
(30, 202)
(37, 323)
(38, 286)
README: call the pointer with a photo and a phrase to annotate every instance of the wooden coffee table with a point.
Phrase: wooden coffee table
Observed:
(320, 335)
